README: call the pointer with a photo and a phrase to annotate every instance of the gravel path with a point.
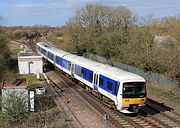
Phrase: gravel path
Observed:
(86, 115)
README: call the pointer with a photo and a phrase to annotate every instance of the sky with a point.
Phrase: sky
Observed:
(57, 12)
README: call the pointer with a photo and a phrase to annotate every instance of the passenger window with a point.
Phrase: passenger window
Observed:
(91, 77)
(68, 66)
(58, 60)
(101, 81)
(77, 70)
(50, 55)
(116, 88)
(43, 51)
(109, 86)
(83, 73)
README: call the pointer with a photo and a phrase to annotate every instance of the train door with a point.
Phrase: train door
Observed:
(72, 69)
(54, 59)
(95, 81)
(119, 96)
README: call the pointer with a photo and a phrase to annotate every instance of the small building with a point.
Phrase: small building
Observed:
(30, 63)
(17, 88)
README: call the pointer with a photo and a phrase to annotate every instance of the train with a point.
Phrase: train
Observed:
(126, 90)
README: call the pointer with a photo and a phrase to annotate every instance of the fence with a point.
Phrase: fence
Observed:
(149, 76)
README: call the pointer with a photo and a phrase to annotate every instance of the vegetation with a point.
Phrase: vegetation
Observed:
(166, 95)
(117, 34)
(14, 47)
(15, 112)
(16, 116)
(4, 51)
(15, 107)
(32, 80)
(51, 118)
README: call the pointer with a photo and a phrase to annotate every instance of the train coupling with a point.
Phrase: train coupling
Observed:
(132, 108)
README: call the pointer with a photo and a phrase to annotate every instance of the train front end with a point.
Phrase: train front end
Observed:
(133, 96)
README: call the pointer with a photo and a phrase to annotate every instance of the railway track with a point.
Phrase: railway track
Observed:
(160, 107)
(115, 119)
(161, 113)
(32, 43)
(148, 117)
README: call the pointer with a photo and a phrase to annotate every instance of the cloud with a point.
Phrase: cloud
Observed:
(57, 12)
(39, 13)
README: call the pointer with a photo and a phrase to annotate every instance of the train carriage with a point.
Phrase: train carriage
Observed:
(126, 90)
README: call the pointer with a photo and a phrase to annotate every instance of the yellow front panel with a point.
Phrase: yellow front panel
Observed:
(127, 101)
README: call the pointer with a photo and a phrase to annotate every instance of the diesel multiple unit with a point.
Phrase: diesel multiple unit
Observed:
(126, 90)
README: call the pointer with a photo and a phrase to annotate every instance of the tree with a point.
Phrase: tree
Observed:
(93, 25)
(2, 20)
(117, 34)
(4, 52)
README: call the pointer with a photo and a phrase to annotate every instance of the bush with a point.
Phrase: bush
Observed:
(15, 107)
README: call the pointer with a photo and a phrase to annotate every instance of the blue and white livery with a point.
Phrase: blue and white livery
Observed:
(126, 90)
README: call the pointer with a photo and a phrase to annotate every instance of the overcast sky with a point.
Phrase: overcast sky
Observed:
(57, 12)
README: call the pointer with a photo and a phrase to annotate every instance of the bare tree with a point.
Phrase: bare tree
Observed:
(92, 27)
(2, 20)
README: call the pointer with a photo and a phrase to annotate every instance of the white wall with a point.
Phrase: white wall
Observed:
(35, 67)
(23, 67)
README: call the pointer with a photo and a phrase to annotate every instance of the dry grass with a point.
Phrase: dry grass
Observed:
(45, 119)
(14, 47)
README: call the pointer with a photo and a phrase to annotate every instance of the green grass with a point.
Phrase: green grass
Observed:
(171, 95)
(31, 79)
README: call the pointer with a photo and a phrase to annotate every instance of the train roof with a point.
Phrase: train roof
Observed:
(104, 69)
(52, 49)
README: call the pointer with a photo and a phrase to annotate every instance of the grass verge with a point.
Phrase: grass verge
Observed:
(163, 94)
